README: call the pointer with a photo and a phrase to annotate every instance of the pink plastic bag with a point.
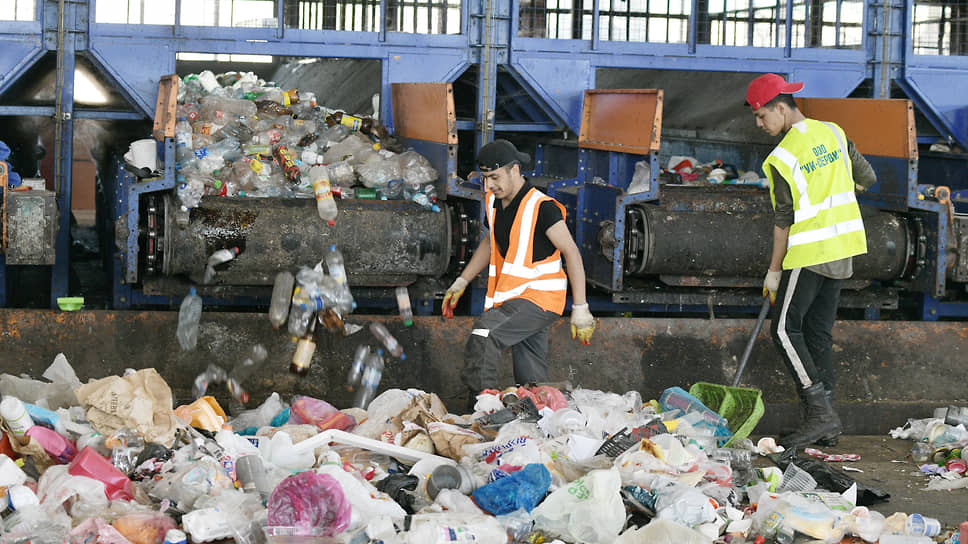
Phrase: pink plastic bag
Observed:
(544, 395)
(319, 413)
(310, 500)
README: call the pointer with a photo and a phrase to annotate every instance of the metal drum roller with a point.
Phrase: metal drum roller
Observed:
(664, 242)
(383, 242)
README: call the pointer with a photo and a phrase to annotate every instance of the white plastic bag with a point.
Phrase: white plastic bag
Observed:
(662, 531)
(588, 510)
(641, 179)
(367, 502)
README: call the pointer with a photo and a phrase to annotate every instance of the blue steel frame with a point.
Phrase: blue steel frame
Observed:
(556, 72)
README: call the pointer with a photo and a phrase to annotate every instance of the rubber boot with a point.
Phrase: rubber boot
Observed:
(828, 442)
(821, 422)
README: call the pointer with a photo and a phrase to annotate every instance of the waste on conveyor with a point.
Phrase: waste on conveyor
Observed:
(238, 135)
(112, 460)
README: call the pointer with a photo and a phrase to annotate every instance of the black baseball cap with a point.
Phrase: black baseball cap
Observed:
(498, 154)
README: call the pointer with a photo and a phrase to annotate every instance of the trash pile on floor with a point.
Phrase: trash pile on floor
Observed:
(113, 460)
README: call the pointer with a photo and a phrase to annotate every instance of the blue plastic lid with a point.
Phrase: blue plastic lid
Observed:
(403, 356)
(332, 247)
(191, 291)
(379, 351)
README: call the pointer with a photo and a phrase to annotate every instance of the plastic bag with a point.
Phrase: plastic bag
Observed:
(57, 486)
(144, 528)
(319, 413)
(641, 179)
(662, 531)
(261, 416)
(367, 503)
(588, 510)
(310, 500)
(682, 504)
(522, 489)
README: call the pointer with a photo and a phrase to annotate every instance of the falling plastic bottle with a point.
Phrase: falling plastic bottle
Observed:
(281, 296)
(393, 347)
(356, 367)
(243, 370)
(335, 265)
(370, 381)
(425, 202)
(217, 258)
(212, 374)
(189, 315)
(403, 302)
(325, 204)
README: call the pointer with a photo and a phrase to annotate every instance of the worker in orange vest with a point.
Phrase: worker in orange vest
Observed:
(526, 280)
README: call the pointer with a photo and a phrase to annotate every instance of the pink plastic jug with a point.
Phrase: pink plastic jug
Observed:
(55, 444)
(90, 463)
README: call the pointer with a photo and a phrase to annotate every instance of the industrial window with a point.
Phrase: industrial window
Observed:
(412, 16)
(758, 23)
(941, 27)
(17, 10)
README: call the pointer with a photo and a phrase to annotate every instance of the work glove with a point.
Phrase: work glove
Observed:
(454, 292)
(771, 283)
(582, 323)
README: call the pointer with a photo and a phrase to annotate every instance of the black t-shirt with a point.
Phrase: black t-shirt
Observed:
(548, 215)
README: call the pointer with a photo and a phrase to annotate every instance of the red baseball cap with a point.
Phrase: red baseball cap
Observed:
(766, 88)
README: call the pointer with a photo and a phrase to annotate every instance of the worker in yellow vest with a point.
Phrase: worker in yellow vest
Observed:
(813, 174)
(526, 281)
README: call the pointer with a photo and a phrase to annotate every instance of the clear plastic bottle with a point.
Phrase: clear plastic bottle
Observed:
(356, 367)
(300, 314)
(243, 370)
(335, 265)
(393, 347)
(217, 258)
(281, 296)
(403, 303)
(189, 315)
(425, 202)
(370, 381)
(325, 204)
(218, 107)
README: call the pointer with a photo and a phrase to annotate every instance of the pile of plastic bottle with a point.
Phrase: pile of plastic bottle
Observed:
(529, 465)
(238, 135)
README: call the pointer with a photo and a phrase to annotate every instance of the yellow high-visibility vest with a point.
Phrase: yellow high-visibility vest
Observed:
(827, 224)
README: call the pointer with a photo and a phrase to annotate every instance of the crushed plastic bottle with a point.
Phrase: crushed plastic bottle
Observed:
(243, 370)
(305, 348)
(212, 374)
(189, 315)
(219, 257)
(425, 202)
(393, 347)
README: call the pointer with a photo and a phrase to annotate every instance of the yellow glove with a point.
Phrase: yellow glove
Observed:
(454, 292)
(771, 283)
(582, 323)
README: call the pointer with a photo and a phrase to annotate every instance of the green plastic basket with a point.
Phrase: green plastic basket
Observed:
(742, 407)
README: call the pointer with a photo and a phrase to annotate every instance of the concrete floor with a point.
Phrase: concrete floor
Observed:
(887, 465)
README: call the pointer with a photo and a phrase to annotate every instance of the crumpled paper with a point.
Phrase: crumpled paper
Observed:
(141, 401)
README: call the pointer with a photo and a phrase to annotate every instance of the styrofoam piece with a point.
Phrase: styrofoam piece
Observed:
(349, 439)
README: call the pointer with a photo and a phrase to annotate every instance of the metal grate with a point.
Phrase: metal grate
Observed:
(17, 10)
(758, 23)
(941, 27)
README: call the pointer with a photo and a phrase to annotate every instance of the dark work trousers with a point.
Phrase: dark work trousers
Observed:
(803, 316)
(519, 324)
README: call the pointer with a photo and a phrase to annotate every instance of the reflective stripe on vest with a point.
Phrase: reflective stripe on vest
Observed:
(516, 275)
(827, 222)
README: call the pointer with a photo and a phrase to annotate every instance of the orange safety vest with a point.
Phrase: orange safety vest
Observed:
(517, 275)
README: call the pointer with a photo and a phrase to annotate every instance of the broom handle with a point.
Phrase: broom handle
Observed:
(764, 310)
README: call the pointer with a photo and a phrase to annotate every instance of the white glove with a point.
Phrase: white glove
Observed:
(771, 284)
(582, 323)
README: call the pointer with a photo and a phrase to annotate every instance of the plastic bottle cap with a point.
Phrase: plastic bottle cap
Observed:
(331, 223)
(191, 291)
(403, 356)
(332, 247)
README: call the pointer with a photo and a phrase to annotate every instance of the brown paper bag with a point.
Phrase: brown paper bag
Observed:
(140, 401)
(449, 439)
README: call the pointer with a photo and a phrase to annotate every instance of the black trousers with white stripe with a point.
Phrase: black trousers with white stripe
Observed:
(802, 319)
